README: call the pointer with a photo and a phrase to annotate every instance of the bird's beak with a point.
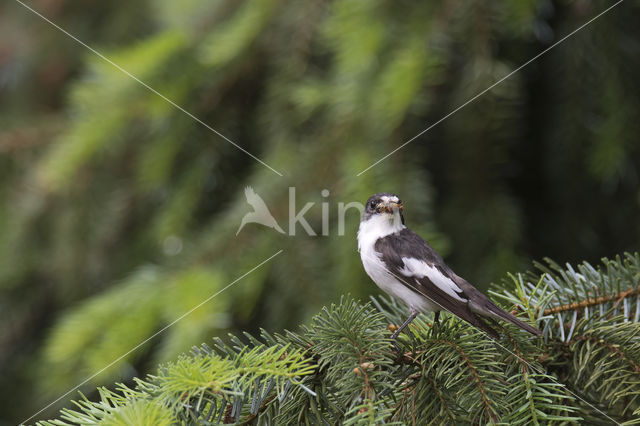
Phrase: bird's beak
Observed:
(392, 207)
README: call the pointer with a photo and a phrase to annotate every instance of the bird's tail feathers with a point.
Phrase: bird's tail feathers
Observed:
(503, 315)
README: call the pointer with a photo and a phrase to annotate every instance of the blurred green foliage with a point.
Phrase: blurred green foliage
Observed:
(119, 211)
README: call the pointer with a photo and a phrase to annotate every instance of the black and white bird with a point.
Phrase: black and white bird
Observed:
(405, 266)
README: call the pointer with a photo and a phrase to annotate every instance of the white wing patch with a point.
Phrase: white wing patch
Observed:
(389, 283)
(420, 269)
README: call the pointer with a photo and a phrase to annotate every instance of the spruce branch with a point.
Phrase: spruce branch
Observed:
(601, 300)
(342, 368)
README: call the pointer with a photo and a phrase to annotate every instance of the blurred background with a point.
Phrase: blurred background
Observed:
(118, 212)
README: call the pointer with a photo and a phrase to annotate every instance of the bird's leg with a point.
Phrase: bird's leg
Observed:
(436, 323)
(404, 325)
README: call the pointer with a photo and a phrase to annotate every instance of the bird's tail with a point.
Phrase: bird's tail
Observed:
(503, 315)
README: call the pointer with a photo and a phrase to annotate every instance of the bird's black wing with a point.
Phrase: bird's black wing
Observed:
(408, 245)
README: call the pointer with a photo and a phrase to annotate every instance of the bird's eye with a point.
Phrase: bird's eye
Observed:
(372, 204)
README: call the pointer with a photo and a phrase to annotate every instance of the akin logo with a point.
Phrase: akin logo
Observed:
(262, 215)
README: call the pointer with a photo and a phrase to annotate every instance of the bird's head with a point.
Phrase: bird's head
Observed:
(384, 204)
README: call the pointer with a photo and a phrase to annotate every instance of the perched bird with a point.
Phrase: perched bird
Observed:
(405, 266)
(261, 213)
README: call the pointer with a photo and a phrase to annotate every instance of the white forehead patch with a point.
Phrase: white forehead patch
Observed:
(391, 198)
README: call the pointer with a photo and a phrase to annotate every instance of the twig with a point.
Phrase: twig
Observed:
(593, 301)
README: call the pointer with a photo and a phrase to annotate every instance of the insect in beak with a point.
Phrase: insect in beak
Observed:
(391, 207)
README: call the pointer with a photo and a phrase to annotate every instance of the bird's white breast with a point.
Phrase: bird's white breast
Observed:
(379, 226)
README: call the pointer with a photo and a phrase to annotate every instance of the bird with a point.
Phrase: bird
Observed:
(406, 267)
(261, 213)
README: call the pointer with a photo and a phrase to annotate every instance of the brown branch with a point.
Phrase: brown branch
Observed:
(400, 404)
(440, 397)
(593, 301)
(251, 417)
(475, 375)
(361, 370)
(524, 362)
(410, 358)
(228, 418)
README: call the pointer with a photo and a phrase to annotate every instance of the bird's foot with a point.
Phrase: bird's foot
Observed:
(435, 327)
(395, 332)
(434, 331)
(398, 330)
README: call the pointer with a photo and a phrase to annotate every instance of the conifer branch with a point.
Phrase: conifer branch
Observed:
(474, 375)
(614, 349)
(342, 368)
(618, 297)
